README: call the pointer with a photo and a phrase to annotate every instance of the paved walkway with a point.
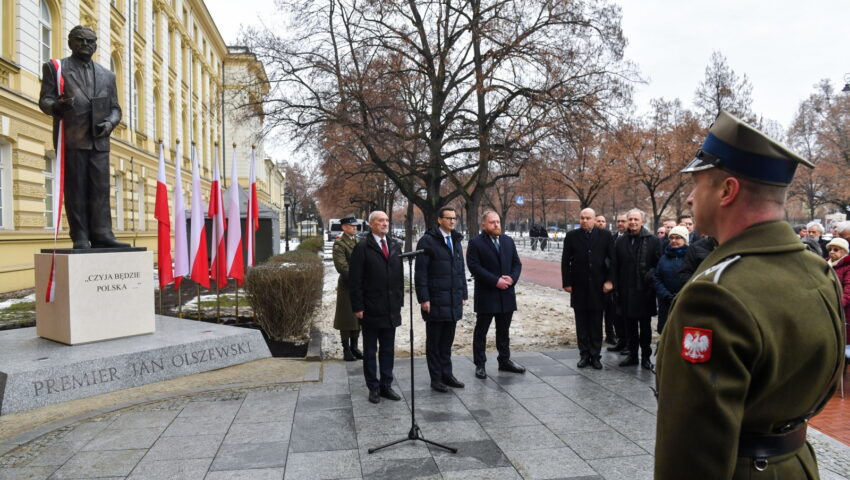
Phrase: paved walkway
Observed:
(555, 422)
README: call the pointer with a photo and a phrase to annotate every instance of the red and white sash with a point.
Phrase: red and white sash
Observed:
(58, 186)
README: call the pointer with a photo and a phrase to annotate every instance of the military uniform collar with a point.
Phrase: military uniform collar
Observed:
(762, 238)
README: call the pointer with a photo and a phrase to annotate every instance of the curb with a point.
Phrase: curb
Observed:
(314, 348)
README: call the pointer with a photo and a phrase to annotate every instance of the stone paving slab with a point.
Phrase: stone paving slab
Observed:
(554, 422)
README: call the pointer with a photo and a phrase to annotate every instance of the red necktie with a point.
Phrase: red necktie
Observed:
(385, 249)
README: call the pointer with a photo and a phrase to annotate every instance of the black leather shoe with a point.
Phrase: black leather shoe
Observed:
(617, 348)
(357, 354)
(453, 382)
(81, 245)
(596, 364)
(346, 355)
(374, 396)
(645, 363)
(629, 361)
(611, 340)
(583, 363)
(109, 243)
(439, 386)
(511, 366)
(480, 372)
(625, 351)
(388, 392)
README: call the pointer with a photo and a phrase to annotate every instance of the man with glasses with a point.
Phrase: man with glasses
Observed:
(440, 282)
(89, 110)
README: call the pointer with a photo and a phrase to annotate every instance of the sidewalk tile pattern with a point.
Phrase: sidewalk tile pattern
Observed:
(554, 422)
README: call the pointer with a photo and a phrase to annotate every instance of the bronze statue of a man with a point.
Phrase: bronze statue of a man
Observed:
(90, 110)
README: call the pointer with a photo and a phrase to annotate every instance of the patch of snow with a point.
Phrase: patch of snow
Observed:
(12, 301)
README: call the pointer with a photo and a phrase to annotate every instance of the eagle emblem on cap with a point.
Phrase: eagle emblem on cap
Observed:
(696, 344)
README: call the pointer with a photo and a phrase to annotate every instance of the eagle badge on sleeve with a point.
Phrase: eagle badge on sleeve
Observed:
(696, 344)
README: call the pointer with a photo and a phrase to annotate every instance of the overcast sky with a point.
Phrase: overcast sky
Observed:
(783, 46)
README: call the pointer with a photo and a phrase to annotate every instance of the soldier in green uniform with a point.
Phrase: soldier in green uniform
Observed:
(754, 343)
(344, 319)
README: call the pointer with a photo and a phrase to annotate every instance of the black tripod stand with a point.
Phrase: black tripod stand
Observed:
(415, 432)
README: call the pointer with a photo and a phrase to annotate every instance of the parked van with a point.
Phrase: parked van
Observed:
(335, 229)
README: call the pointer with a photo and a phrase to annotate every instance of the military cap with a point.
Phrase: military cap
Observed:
(738, 148)
(348, 221)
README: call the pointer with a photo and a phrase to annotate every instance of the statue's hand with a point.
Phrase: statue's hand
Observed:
(103, 129)
(63, 104)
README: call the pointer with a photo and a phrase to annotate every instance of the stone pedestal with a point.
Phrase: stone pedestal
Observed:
(99, 296)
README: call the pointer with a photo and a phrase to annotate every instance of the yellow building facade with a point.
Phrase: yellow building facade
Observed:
(169, 60)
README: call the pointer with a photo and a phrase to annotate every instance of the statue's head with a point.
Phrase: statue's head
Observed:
(83, 42)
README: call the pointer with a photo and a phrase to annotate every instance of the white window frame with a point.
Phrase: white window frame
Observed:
(49, 189)
(5, 185)
(140, 192)
(45, 26)
(119, 202)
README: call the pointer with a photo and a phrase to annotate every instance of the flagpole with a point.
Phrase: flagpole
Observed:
(199, 300)
(180, 300)
(237, 301)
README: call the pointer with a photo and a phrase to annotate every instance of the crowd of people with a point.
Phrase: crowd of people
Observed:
(739, 372)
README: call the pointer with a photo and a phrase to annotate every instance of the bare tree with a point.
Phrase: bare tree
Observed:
(436, 91)
(723, 89)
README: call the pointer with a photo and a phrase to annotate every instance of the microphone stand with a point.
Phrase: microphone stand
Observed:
(415, 432)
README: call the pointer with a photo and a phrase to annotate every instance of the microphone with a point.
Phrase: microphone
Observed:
(411, 253)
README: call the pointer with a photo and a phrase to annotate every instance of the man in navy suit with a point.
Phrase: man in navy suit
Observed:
(494, 263)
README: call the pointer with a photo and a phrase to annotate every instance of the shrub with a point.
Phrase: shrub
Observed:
(285, 292)
(312, 244)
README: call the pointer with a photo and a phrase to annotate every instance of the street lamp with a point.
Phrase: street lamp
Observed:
(846, 88)
(286, 203)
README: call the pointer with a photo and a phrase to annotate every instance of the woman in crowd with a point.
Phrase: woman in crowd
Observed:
(840, 261)
(667, 279)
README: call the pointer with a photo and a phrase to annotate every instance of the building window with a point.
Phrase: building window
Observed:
(137, 102)
(3, 184)
(46, 24)
(136, 16)
(49, 184)
(157, 123)
(155, 25)
(119, 202)
(115, 66)
(140, 191)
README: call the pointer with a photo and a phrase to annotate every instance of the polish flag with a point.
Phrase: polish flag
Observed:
(198, 252)
(218, 268)
(235, 265)
(181, 243)
(163, 234)
(252, 219)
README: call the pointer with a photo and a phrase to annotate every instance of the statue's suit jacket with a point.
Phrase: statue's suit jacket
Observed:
(79, 122)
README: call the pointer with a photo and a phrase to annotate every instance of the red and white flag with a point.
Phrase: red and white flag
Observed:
(198, 250)
(58, 186)
(163, 233)
(235, 265)
(181, 242)
(252, 218)
(218, 267)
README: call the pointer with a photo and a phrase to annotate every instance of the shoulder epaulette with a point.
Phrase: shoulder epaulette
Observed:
(717, 270)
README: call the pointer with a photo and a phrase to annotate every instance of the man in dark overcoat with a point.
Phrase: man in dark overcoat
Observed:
(494, 263)
(586, 277)
(344, 319)
(754, 345)
(376, 280)
(90, 110)
(440, 280)
(635, 256)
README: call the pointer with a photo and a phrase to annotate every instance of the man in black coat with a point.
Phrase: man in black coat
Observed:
(441, 291)
(376, 281)
(586, 277)
(635, 256)
(90, 110)
(494, 263)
